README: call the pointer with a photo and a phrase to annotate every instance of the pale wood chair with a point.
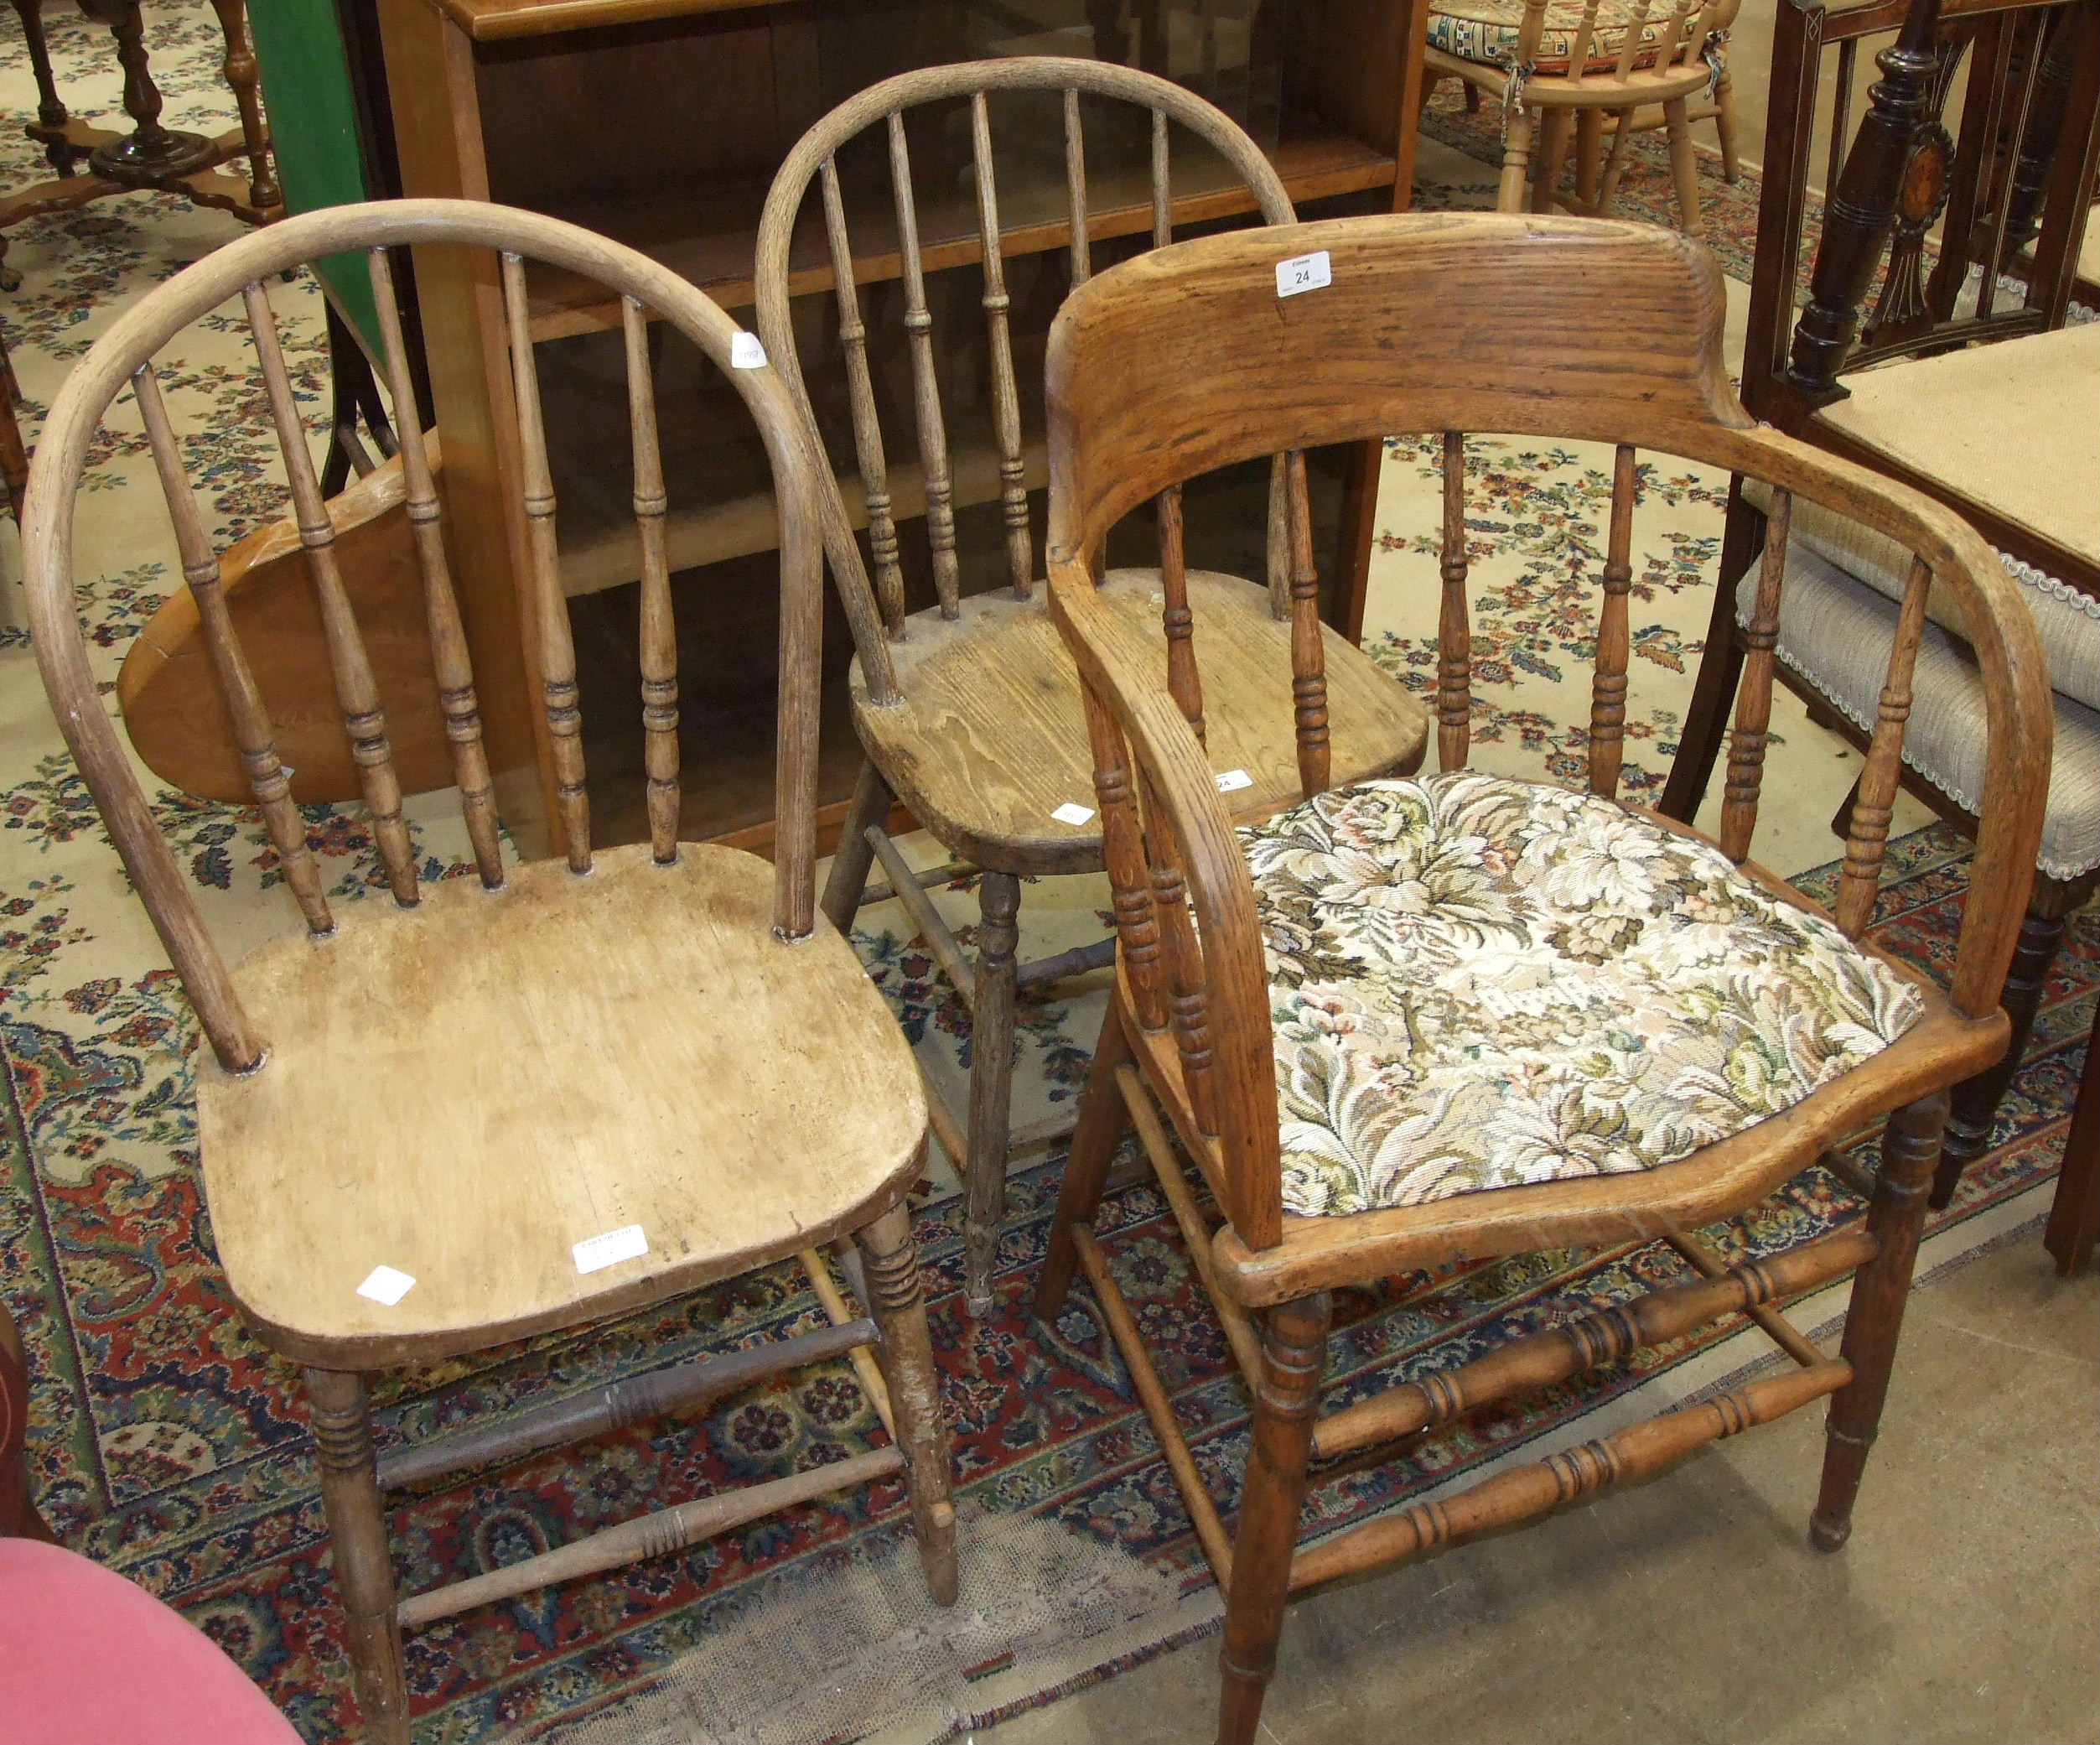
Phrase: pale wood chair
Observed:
(1958, 381)
(1408, 1024)
(968, 711)
(550, 1094)
(1560, 67)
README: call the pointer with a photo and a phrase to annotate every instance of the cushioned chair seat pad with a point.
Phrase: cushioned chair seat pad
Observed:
(1477, 984)
(87, 1658)
(1836, 632)
(1491, 30)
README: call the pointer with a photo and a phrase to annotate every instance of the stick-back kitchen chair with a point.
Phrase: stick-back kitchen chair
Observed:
(1407, 1024)
(1560, 67)
(1949, 376)
(968, 710)
(538, 1096)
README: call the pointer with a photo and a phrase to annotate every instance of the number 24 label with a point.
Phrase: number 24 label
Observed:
(1304, 272)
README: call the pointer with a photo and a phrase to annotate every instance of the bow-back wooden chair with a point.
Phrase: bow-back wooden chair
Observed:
(1408, 1023)
(1936, 367)
(534, 1096)
(967, 710)
(1560, 67)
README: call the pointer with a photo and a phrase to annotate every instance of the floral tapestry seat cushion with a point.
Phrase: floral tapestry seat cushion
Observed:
(1478, 984)
(1491, 30)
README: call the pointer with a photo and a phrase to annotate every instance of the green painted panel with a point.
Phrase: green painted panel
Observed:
(306, 88)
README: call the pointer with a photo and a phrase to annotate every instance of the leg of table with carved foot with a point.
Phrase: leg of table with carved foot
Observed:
(357, 1538)
(899, 1307)
(1881, 1289)
(1293, 1359)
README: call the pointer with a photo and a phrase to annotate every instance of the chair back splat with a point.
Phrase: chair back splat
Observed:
(242, 270)
(1187, 360)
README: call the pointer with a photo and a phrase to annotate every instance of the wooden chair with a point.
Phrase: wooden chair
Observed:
(546, 1094)
(1559, 67)
(1957, 381)
(1405, 1023)
(968, 711)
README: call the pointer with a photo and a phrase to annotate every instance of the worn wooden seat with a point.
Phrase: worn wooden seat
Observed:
(463, 1109)
(1943, 372)
(956, 705)
(1407, 1024)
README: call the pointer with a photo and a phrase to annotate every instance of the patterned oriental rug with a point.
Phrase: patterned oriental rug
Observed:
(170, 1445)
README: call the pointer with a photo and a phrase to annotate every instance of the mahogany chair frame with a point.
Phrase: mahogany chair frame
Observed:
(893, 648)
(2024, 171)
(1551, 109)
(301, 1303)
(1184, 360)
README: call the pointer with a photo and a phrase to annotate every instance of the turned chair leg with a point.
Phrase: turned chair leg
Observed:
(868, 808)
(1976, 1100)
(1724, 124)
(2074, 1216)
(900, 1310)
(1516, 162)
(991, 1083)
(1684, 167)
(1293, 1358)
(1873, 1319)
(1102, 1118)
(364, 1565)
(1589, 156)
(1615, 162)
(1552, 154)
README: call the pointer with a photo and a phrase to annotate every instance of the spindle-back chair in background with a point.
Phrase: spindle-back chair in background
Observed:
(1575, 62)
(968, 711)
(660, 1044)
(1330, 1005)
(1936, 368)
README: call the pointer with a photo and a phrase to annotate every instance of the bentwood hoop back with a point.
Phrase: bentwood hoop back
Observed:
(536, 1096)
(966, 711)
(1186, 360)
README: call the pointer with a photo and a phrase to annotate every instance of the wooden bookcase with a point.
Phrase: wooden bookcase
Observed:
(659, 123)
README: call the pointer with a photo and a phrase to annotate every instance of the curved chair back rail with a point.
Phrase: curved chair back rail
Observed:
(1185, 360)
(124, 358)
(815, 161)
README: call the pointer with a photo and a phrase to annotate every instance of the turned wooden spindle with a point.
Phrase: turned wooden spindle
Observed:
(1867, 835)
(356, 691)
(1082, 267)
(658, 629)
(1188, 1000)
(1123, 851)
(1006, 395)
(1860, 212)
(1184, 680)
(860, 393)
(1278, 541)
(933, 436)
(558, 690)
(1162, 184)
(252, 730)
(364, 1565)
(1455, 627)
(243, 76)
(1309, 649)
(1753, 697)
(1608, 679)
(448, 657)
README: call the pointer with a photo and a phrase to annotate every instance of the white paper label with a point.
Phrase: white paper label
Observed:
(1233, 780)
(386, 1284)
(595, 1253)
(747, 352)
(1304, 272)
(1069, 813)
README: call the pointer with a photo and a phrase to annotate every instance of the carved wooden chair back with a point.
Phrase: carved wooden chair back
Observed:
(1185, 360)
(815, 160)
(243, 269)
(2021, 178)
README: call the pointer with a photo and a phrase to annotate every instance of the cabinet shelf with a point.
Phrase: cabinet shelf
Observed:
(707, 236)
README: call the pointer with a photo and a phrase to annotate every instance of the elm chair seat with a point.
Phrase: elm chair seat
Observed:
(1478, 984)
(87, 1658)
